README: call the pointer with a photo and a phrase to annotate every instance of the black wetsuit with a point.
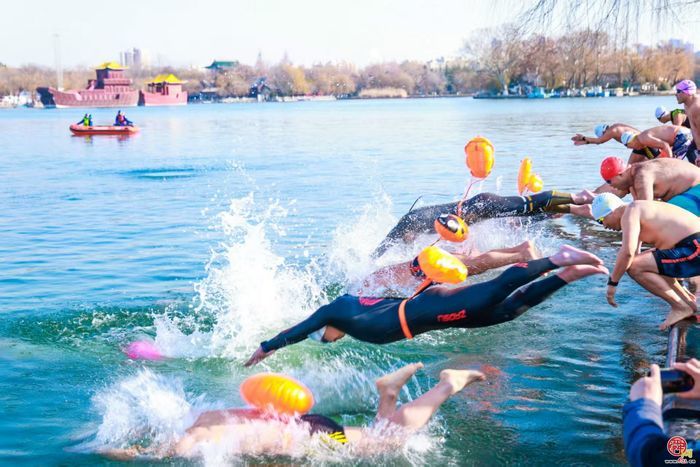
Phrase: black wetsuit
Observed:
(376, 320)
(649, 153)
(479, 207)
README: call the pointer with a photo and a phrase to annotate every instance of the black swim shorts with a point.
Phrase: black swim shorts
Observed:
(683, 260)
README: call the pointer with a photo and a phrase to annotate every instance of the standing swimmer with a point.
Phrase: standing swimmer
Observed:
(385, 320)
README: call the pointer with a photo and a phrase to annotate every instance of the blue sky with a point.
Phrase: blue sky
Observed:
(193, 33)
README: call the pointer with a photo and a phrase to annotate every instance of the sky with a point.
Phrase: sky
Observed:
(184, 33)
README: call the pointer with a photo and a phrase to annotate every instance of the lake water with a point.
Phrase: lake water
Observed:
(219, 225)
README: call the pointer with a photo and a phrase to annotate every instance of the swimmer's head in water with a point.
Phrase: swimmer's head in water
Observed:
(318, 335)
(660, 112)
(603, 205)
(451, 228)
(610, 168)
(600, 129)
(627, 137)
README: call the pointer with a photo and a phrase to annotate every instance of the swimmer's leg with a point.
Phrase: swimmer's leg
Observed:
(389, 386)
(646, 273)
(485, 295)
(497, 258)
(420, 220)
(489, 205)
(532, 295)
(416, 414)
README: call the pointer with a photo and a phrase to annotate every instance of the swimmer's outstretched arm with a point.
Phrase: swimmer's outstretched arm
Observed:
(296, 333)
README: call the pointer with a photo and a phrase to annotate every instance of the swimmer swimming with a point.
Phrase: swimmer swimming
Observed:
(252, 432)
(408, 274)
(480, 207)
(385, 320)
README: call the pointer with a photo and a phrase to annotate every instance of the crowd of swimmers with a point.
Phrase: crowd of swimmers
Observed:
(663, 180)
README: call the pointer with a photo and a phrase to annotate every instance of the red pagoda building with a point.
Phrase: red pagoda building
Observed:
(164, 90)
(110, 89)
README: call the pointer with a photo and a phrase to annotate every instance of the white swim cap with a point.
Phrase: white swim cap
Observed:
(600, 129)
(660, 111)
(626, 137)
(318, 335)
(605, 204)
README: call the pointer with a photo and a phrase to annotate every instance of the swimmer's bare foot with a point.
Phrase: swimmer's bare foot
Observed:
(583, 197)
(459, 379)
(579, 271)
(675, 315)
(583, 210)
(391, 384)
(529, 251)
(568, 255)
(686, 295)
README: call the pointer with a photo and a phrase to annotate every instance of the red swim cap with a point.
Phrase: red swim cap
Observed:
(611, 167)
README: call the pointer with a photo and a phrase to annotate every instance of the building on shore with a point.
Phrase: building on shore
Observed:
(164, 89)
(110, 89)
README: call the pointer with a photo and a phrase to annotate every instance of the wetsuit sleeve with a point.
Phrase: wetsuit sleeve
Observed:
(298, 332)
(645, 440)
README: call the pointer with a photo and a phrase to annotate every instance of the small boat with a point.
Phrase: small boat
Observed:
(82, 130)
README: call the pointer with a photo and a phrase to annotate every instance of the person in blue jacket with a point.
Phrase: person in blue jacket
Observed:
(646, 443)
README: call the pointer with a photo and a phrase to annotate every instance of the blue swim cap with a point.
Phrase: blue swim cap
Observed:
(660, 111)
(627, 137)
(600, 129)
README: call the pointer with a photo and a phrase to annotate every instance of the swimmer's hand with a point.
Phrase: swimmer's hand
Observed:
(610, 295)
(258, 356)
(578, 139)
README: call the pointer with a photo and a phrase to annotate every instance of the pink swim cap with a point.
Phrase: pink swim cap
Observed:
(686, 87)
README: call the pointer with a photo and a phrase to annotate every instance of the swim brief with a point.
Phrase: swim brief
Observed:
(688, 200)
(326, 426)
(681, 143)
(649, 153)
(683, 260)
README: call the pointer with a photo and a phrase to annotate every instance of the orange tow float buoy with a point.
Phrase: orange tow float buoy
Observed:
(451, 228)
(440, 266)
(280, 393)
(526, 179)
(480, 156)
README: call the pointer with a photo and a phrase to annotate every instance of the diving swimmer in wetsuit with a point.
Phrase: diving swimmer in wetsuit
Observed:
(480, 207)
(384, 320)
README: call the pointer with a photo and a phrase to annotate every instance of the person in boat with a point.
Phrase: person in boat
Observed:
(480, 207)
(252, 432)
(121, 120)
(686, 94)
(669, 140)
(90, 120)
(675, 117)
(385, 320)
(646, 444)
(670, 180)
(675, 236)
(85, 121)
